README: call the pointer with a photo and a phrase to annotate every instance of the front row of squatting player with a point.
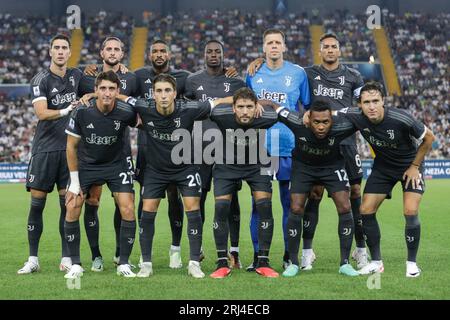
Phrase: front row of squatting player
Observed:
(88, 143)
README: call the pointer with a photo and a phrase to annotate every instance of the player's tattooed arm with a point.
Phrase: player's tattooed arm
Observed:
(123, 68)
(43, 113)
(412, 174)
(91, 70)
(231, 72)
(74, 193)
(226, 100)
(269, 103)
(254, 66)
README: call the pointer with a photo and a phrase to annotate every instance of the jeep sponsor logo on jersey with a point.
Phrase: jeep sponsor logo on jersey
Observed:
(63, 98)
(329, 92)
(278, 97)
(320, 152)
(380, 143)
(99, 140)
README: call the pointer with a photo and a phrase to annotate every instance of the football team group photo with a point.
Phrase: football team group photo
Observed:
(224, 150)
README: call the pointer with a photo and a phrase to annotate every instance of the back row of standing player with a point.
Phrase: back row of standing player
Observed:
(277, 80)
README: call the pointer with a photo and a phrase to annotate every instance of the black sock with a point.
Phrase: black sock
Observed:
(265, 227)
(62, 218)
(91, 225)
(195, 233)
(234, 221)
(294, 227)
(310, 220)
(202, 204)
(35, 224)
(146, 234)
(117, 227)
(127, 236)
(357, 221)
(345, 231)
(412, 236)
(72, 234)
(373, 235)
(176, 219)
(220, 228)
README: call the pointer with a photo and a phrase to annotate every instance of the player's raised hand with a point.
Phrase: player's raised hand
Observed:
(91, 70)
(231, 72)
(412, 175)
(122, 68)
(254, 66)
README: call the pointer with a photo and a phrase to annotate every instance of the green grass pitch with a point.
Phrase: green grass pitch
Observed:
(323, 282)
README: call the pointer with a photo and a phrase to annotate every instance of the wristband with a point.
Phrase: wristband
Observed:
(130, 100)
(64, 112)
(74, 186)
(416, 165)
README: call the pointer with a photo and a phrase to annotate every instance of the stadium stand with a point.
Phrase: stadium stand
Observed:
(419, 45)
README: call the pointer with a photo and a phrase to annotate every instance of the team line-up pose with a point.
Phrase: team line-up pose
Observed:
(82, 142)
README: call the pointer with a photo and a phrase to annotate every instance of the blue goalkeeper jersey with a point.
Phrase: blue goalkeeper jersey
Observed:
(286, 86)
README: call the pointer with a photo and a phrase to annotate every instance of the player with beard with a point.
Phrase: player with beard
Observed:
(204, 85)
(337, 85)
(112, 53)
(284, 83)
(167, 122)
(53, 90)
(159, 56)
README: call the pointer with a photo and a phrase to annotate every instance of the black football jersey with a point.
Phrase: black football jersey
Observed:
(203, 87)
(314, 151)
(163, 133)
(338, 87)
(394, 140)
(59, 94)
(145, 76)
(101, 135)
(243, 145)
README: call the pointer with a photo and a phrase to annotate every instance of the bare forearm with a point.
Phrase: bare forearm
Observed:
(226, 100)
(49, 114)
(72, 159)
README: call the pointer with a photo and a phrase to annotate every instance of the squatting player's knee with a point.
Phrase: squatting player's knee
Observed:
(410, 211)
(297, 208)
(127, 212)
(192, 207)
(316, 193)
(93, 201)
(355, 191)
(343, 207)
(367, 209)
(72, 213)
